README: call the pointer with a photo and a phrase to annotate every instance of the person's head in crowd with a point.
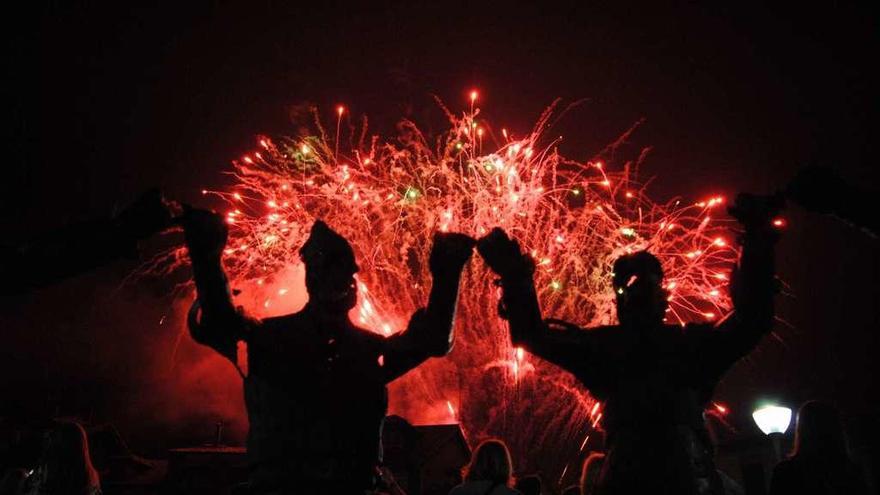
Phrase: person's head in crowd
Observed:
(590, 472)
(819, 432)
(490, 462)
(529, 485)
(67, 465)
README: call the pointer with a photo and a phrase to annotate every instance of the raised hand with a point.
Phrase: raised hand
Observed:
(205, 232)
(756, 213)
(451, 251)
(503, 255)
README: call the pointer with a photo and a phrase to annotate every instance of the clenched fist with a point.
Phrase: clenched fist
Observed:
(450, 252)
(503, 255)
(205, 232)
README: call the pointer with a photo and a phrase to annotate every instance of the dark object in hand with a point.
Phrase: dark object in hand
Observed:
(818, 189)
(147, 215)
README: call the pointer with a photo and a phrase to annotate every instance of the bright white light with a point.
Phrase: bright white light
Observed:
(772, 419)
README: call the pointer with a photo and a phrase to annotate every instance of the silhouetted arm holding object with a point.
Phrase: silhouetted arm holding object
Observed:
(430, 330)
(213, 319)
(564, 344)
(753, 284)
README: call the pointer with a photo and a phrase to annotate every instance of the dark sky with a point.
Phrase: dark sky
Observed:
(103, 101)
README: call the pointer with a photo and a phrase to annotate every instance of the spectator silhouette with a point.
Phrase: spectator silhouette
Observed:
(654, 378)
(820, 463)
(66, 466)
(315, 390)
(529, 485)
(590, 473)
(489, 472)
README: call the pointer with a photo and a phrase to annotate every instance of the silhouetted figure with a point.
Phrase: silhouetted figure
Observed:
(74, 249)
(315, 389)
(490, 471)
(820, 462)
(821, 190)
(529, 485)
(655, 379)
(66, 466)
(590, 473)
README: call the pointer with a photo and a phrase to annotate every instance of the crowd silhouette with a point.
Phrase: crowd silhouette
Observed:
(315, 388)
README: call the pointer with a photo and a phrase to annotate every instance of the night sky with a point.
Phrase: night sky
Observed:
(103, 101)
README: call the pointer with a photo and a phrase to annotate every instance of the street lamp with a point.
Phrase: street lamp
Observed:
(773, 421)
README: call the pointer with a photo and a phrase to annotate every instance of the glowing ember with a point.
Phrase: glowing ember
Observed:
(389, 197)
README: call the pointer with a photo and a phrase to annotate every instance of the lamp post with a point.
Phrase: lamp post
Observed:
(773, 420)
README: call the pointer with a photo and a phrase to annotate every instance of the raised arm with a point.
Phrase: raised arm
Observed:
(563, 345)
(430, 330)
(753, 283)
(213, 319)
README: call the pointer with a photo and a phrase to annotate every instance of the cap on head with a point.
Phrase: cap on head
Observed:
(324, 246)
(642, 265)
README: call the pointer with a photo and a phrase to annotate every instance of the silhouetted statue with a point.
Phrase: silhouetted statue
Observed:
(820, 463)
(821, 190)
(74, 249)
(316, 384)
(655, 379)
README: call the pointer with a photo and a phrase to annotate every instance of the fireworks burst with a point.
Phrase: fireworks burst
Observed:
(388, 198)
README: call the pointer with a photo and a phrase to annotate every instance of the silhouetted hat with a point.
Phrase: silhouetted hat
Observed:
(324, 246)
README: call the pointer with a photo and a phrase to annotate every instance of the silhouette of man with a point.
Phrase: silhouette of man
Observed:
(316, 387)
(655, 379)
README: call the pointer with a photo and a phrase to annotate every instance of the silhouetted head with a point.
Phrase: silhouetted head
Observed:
(67, 464)
(819, 432)
(490, 462)
(641, 299)
(529, 485)
(330, 269)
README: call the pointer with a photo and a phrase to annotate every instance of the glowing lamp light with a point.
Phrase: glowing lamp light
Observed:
(772, 419)
(473, 96)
